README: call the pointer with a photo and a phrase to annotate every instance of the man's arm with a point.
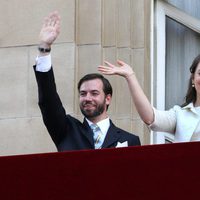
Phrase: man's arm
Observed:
(53, 112)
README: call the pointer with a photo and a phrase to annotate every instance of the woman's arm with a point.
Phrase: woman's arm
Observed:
(140, 100)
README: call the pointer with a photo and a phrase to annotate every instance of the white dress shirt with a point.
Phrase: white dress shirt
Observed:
(43, 63)
(103, 125)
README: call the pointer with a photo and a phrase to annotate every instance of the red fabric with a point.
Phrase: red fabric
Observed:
(168, 171)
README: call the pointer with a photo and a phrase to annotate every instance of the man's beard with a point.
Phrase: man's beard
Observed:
(92, 113)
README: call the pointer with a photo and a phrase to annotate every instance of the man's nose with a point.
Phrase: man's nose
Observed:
(88, 97)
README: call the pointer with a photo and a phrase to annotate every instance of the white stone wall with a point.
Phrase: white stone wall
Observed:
(91, 31)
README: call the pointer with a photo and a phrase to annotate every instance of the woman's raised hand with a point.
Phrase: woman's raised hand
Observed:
(123, 69)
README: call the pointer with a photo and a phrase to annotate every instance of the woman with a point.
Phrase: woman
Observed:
(183, 121)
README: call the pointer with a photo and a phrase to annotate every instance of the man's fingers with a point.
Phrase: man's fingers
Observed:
(52, 19)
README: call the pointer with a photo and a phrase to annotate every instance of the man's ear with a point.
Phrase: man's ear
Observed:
(108, 99)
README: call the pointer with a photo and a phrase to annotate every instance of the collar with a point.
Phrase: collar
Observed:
(191, 107)
(103, 124)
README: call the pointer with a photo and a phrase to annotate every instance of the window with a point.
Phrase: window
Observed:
(176, 43)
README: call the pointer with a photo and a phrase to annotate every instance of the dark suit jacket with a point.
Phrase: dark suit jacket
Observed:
(67, 132)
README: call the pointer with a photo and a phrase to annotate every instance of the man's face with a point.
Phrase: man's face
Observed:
(93, 101)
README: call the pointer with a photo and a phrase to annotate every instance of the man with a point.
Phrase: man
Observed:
(95, 93)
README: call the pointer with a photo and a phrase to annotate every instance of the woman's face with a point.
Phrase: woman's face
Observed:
(196, 79)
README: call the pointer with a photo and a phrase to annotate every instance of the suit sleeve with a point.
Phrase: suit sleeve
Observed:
(51, 107)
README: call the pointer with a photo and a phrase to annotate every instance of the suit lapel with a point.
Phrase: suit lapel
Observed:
(112, 136)
(87, 132)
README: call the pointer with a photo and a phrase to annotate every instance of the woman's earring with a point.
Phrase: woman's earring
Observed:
(192, 84)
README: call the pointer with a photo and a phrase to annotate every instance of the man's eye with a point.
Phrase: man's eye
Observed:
(82, 94)
(95, 93)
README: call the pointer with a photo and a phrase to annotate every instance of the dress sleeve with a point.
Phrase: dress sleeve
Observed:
(164, 121)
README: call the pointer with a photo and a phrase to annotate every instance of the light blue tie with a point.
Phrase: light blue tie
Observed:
(98, 136)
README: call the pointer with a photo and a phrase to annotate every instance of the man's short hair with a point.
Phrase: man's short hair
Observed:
(107, 88)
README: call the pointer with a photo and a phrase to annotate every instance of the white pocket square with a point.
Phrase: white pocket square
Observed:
(123, 144)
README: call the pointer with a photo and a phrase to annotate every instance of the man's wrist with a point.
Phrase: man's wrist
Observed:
(44, 49)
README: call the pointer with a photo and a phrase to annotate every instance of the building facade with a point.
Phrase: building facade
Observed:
(136, 31)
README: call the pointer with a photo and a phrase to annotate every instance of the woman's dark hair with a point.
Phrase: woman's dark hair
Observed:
(191, 94)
